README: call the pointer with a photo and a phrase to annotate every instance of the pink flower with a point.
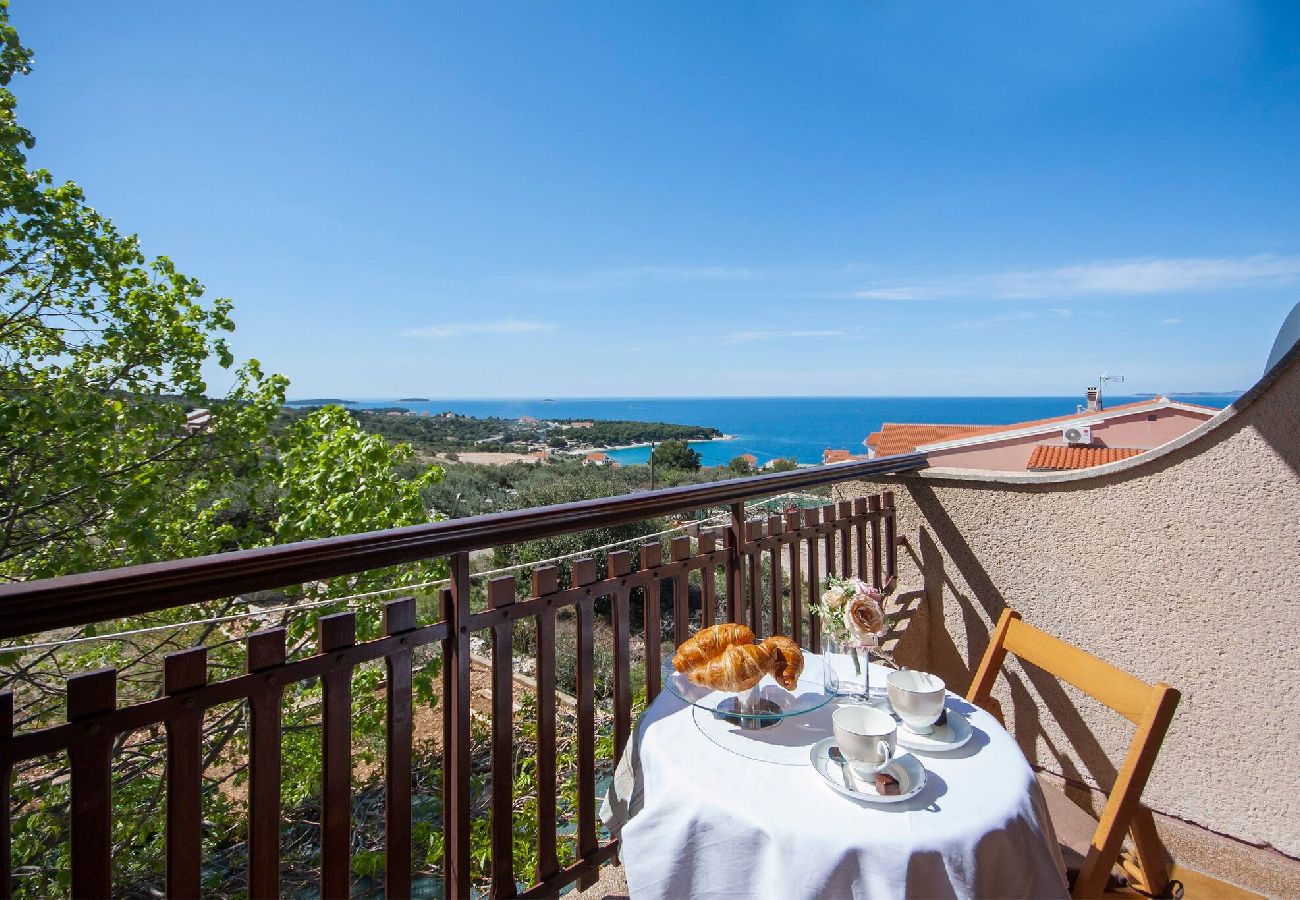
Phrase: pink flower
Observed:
(864, 618)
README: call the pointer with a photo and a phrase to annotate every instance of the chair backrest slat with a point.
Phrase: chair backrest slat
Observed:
(1127, 695)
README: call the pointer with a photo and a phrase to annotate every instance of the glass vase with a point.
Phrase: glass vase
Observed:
(845, 665)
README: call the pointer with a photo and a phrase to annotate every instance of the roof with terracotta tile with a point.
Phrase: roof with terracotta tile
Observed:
(901, 437)
(834, 456)
(904, 437)
(1047, 456)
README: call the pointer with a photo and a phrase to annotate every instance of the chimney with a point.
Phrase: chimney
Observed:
(1094, 399)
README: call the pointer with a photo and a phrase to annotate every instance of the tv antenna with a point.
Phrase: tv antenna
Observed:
(1102, 381)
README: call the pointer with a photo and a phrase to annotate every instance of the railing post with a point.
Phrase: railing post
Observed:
(6, 772)
(617, 565)
(265, 651)
(873, 510)
(844, 518)
(399, 617)
(735, 574)
(708, 577)
(89, 695)
(679, 550)
(890, 538)
(754, 563)
(584, 573)
(811, 519)
(792, 523)
(776, 585)
(456, 878)
(546, 581)
(334, 633)
(500, 595)
(652, 557)
(183, 671)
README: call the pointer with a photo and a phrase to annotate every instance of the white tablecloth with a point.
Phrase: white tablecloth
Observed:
(725, 813)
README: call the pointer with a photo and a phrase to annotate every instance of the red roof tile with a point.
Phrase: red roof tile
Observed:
(1046, 456)
(895, 437)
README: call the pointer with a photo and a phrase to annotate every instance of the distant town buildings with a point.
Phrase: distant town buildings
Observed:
(197, 420)
(838, 456)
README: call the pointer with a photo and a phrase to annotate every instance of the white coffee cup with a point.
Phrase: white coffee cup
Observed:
(867, 737)
(917, 697)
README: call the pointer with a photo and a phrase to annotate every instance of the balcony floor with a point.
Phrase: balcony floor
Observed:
(611, 886)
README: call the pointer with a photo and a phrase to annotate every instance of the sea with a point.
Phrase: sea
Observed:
(770, 427)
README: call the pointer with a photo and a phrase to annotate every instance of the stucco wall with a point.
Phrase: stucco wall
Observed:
(1122, 431)
(1184, 568)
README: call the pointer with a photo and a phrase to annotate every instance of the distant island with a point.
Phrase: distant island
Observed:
(1195, 394)
(450, 431)
(413, 399)
(320, 401)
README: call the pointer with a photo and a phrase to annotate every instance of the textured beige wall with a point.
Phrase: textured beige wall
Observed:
(1183, 568)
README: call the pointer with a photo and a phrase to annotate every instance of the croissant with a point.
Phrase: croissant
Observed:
(737, 668)
(787, 660)
(708, 643)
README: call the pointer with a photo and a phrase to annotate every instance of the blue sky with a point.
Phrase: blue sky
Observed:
(605, 199)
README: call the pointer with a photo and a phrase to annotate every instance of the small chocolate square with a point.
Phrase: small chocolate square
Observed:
(887, 785)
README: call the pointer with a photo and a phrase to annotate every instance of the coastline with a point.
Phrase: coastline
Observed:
(644, 444)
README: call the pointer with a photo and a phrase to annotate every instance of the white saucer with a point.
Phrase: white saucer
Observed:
(949, 736)
(906, 768)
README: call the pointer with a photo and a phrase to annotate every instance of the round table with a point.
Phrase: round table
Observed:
(731, 813)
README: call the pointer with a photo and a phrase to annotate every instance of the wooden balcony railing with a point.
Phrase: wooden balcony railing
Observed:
(800, 547)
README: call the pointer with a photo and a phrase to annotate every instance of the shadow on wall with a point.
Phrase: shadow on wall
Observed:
(956, 666)
(1282, 432)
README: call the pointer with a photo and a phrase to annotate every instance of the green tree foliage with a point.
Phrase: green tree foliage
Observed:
(569, 482)
(741, 465)
(676, 455)
(614, 433)
(451, 431)
(785, 464)
(102, 351)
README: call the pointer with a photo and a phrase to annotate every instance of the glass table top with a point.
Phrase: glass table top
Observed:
(765, 704)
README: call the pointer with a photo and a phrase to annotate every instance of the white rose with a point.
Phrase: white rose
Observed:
(833, 599)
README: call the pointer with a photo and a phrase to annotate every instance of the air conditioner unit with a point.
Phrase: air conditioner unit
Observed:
(1077, 434)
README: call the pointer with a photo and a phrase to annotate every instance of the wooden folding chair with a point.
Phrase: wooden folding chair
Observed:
(1149, 707)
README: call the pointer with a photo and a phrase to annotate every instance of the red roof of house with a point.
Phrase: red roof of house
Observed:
(1047, 456)
(895, 437)
(837, 456)
(597, 457)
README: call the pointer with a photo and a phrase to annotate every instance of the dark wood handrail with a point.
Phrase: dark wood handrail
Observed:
(71, 600)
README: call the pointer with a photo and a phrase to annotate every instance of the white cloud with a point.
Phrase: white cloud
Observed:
(748, 337)
(459, 329)
(1124, 277)
(995, 320)
(640, 276)
(1171, 321)
(915, 292)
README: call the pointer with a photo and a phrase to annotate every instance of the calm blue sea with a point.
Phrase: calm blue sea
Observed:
(801, 427)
